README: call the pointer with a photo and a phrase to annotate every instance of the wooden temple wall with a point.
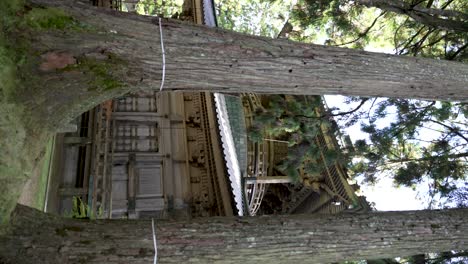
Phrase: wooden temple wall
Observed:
(145, 154)
(162, 157)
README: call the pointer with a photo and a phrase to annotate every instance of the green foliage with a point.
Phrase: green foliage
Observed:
(410, 174)
(298, 121)
(255, 134)
(164, 8)
(81, 210)
(420, 142)
(262, 18)
(346, 23)
(459, 197)
(49, 18)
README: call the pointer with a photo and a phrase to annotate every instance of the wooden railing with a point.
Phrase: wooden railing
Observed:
(257, 158)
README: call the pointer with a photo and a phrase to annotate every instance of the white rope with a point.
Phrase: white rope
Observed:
(154, 242)
(155, 261)
(163, 56)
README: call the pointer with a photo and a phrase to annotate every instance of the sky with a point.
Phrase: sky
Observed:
(385, 195)
(389, 198)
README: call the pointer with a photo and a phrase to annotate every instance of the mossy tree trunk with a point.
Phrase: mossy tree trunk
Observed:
(105, 53)
(39, 238)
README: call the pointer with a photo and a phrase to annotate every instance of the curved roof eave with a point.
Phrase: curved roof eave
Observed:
(229, 151)
(209, 15)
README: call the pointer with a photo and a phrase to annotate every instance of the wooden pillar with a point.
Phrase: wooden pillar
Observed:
(131, 186)
(268, 179)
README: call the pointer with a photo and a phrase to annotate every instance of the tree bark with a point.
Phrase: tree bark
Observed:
(39, 238)
(202, 58)
(434, 18)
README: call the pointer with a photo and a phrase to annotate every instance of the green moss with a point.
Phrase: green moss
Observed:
(103, 77)
(7, 70)
(14, 159)
(104, 73)
(8, 11)
(12, 131)
(8, 53)
(51, 18)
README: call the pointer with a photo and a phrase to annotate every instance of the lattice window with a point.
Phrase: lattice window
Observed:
(133, 137)
(137, 103)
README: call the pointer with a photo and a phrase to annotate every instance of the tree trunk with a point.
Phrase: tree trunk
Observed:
(39, 238)
(128, 47)
(434, 18)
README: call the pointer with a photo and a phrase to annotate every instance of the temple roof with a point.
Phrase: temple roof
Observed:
(229, 149)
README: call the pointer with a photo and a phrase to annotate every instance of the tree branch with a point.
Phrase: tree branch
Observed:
(426, 16)
(452, 156)
(337, 114)
(362, 34)
(417, 45)
(410, 40)
(453, 130)
(455, 54)
(348, 112)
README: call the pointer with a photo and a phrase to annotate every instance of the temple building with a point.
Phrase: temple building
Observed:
(270, 191)
(182, 155)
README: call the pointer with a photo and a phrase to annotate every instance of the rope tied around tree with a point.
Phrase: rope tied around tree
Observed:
(155, 261)
(163, 56)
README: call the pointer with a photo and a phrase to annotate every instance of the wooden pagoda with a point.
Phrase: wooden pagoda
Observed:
(329, 193)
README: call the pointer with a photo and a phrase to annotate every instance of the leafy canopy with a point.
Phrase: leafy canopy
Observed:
(416, 142)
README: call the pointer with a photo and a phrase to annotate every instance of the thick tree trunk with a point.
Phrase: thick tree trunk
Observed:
(435, 18)
(39, 238)
(201, 58)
